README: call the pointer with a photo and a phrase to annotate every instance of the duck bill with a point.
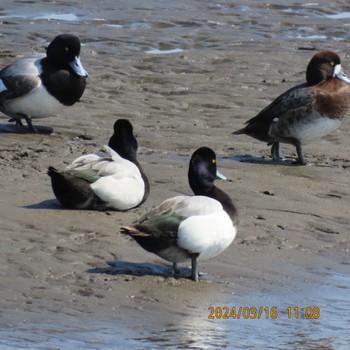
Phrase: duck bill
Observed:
(338, 73)
(78, 67)
(220, 176)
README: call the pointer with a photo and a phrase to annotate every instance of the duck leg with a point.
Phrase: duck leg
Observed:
(300, 160)
(275, 152)
(17, 118)
(30, 125)
(194, 273)
(18, 122)
(176, 269)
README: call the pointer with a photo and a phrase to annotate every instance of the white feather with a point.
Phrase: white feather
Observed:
(38, 103)
(321, 127)
(85, 162)
(208, 235)
(120, 192)
(337, 69)
(206, 228)
(120, 183)
(305, 131)
(187, 206)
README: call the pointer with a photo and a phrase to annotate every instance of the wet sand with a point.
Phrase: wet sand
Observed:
(70, 266)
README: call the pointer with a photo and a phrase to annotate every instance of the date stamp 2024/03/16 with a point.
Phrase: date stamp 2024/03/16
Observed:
(265, 312)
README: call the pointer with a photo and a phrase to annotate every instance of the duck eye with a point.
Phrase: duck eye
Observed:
(213, 161)
(331, 63)
(66, 49)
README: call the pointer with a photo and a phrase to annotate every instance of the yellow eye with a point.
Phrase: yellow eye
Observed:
(213, 161)
(331, 63)
(66, 48)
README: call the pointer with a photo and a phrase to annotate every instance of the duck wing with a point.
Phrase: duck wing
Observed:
(167, 217)
(298, 97)
(19, 78)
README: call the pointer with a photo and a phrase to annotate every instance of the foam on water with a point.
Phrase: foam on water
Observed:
(59, 16)
(46, 16)
(340, 15)
(256, 22)
(163, 52)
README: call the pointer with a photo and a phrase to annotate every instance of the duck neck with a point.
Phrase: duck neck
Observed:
(215, 193)
(127, 152)
(144, 178)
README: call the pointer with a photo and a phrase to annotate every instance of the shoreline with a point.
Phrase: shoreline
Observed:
(292, 239)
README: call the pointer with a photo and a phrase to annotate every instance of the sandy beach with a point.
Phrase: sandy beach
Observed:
(71, 267)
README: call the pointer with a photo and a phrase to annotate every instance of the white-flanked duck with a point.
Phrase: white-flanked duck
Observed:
(40, 87)
(305, 112)
(190, 227)
(102, 182)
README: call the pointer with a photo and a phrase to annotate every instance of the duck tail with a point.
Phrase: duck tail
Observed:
(71, 191)
(131, 231)
(240, 131)
(51, 171)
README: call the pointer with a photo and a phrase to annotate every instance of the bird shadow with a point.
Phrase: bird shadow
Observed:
(14, 129)
(121, 267)
(46, 204)
(247, 158)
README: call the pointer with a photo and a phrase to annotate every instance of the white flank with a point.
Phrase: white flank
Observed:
(304, 131)
(121, 193)
(208, 235)
(321, 127)
(37, 104)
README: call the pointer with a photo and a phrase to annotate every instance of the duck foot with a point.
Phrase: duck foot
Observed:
(194, 273)
(176, 269)
(17, 118)
(275, 152)
(300, 160)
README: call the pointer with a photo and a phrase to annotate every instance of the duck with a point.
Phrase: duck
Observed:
(192, 228)
(113, 181)
(40, 87)
(305, 112)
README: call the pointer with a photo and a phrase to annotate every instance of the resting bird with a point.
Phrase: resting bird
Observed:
(307, 111)
(114, 181)
(190, 227)
(40, 87)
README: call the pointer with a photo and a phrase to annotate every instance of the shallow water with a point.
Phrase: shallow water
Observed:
(321, 322)
(191, 24)
(171, 27)
(330, 331)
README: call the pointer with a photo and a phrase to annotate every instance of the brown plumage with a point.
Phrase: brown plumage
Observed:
(307, 111)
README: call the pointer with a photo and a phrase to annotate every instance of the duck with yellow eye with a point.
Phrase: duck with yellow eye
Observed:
(41, 87)
(190, 227)
(307, 111)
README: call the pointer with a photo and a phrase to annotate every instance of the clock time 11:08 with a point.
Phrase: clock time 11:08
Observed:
(303, 312)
